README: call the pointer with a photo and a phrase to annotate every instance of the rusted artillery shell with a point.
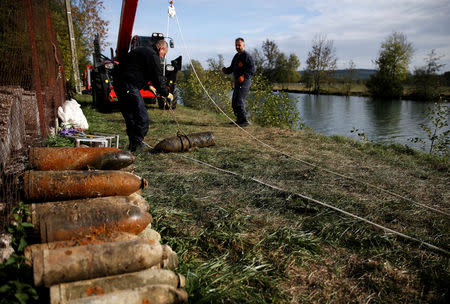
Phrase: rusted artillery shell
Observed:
(44, 159)
(154, 294)
(75, 290)
(39, 209)
(92, 239)
(63, 265)
(64, 185)
(137, 200)
(149, 234)
(170, 260)
(113, 161)
(78, 219)
(182, 143)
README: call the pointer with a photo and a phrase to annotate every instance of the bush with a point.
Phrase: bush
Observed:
(267, 108)
(194, 96)
(381, 85)
(264, 107)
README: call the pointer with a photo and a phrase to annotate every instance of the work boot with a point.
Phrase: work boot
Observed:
(244, 123)
(141, 147)
(133, 146)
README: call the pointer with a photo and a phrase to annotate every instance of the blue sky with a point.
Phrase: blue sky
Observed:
(357, 27)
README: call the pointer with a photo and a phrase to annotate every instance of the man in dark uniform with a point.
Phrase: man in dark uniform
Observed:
(141, 65)
(243, 68)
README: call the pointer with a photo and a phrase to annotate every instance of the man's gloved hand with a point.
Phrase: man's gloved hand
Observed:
(224, 70)
(170, 97)
(152, 88)
(241, 79)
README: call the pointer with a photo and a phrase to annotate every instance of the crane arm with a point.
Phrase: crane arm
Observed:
(126, 26)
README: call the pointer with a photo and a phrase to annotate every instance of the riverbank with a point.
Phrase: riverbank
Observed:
(340, 90)
(242, 242)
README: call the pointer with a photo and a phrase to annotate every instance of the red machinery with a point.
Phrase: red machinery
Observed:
(101, 74)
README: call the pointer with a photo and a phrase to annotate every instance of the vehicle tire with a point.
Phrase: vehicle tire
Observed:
(100, 95)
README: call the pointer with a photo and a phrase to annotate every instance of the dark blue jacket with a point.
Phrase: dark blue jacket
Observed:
(242, 64)
(142, 65)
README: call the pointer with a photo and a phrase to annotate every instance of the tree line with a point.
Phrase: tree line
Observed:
(388, 81)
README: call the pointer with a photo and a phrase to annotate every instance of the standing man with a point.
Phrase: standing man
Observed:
(136, 69)
(243, 68)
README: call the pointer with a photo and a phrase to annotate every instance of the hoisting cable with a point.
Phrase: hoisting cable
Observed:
(410, 238)
(170, 14)
(349, 214)
(292, 156)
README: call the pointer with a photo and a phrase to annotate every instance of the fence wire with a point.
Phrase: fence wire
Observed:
(32, 87)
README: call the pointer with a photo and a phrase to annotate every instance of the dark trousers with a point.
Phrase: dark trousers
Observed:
(238, 100)
(134, 112)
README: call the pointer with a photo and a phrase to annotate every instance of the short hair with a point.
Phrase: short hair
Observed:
(161, 43)
(239, 39)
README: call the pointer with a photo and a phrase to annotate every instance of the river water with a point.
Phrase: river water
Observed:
(386, 121)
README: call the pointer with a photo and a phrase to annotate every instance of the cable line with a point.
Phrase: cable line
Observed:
(405, 236)
(294, 157)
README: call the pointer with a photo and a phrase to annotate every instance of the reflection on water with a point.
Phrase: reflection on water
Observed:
(380, 120)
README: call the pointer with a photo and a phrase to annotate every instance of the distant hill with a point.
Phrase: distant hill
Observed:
(359, 73)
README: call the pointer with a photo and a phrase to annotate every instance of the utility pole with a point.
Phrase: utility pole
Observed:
(76, 73)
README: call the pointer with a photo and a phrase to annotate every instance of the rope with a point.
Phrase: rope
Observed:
(172, 113)
(293, 157)
(410, 238)
(349, 214)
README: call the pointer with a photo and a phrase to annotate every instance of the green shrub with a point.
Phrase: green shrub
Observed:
(58, 141)
(216, 84)
(267, 108)
(16, 276)
(264, 107)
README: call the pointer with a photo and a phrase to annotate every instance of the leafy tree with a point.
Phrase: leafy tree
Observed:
(275, 65)
(286, 69)
(307, 80)
(87, 22)
(216, 65)
(280, 69)
(426, 79)
(348, 79)
(446, 78)
(87, 16)
(321, 62)
(393, 61)
(258, 58)
(271, 53)
(293, 65)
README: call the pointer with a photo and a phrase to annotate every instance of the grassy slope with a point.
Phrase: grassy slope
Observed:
(242, 242)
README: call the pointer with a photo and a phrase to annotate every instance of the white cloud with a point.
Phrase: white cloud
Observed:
(357, 27)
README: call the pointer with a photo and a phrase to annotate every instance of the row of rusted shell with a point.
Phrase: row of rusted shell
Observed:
(97, 245)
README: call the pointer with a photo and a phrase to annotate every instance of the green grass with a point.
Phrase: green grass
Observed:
(241, 242)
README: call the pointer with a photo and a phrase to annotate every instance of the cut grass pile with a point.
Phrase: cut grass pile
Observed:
(242, 242)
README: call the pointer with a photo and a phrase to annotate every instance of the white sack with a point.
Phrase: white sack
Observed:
(71, 113)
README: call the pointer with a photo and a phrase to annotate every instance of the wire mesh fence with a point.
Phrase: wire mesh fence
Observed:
(31, 90)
